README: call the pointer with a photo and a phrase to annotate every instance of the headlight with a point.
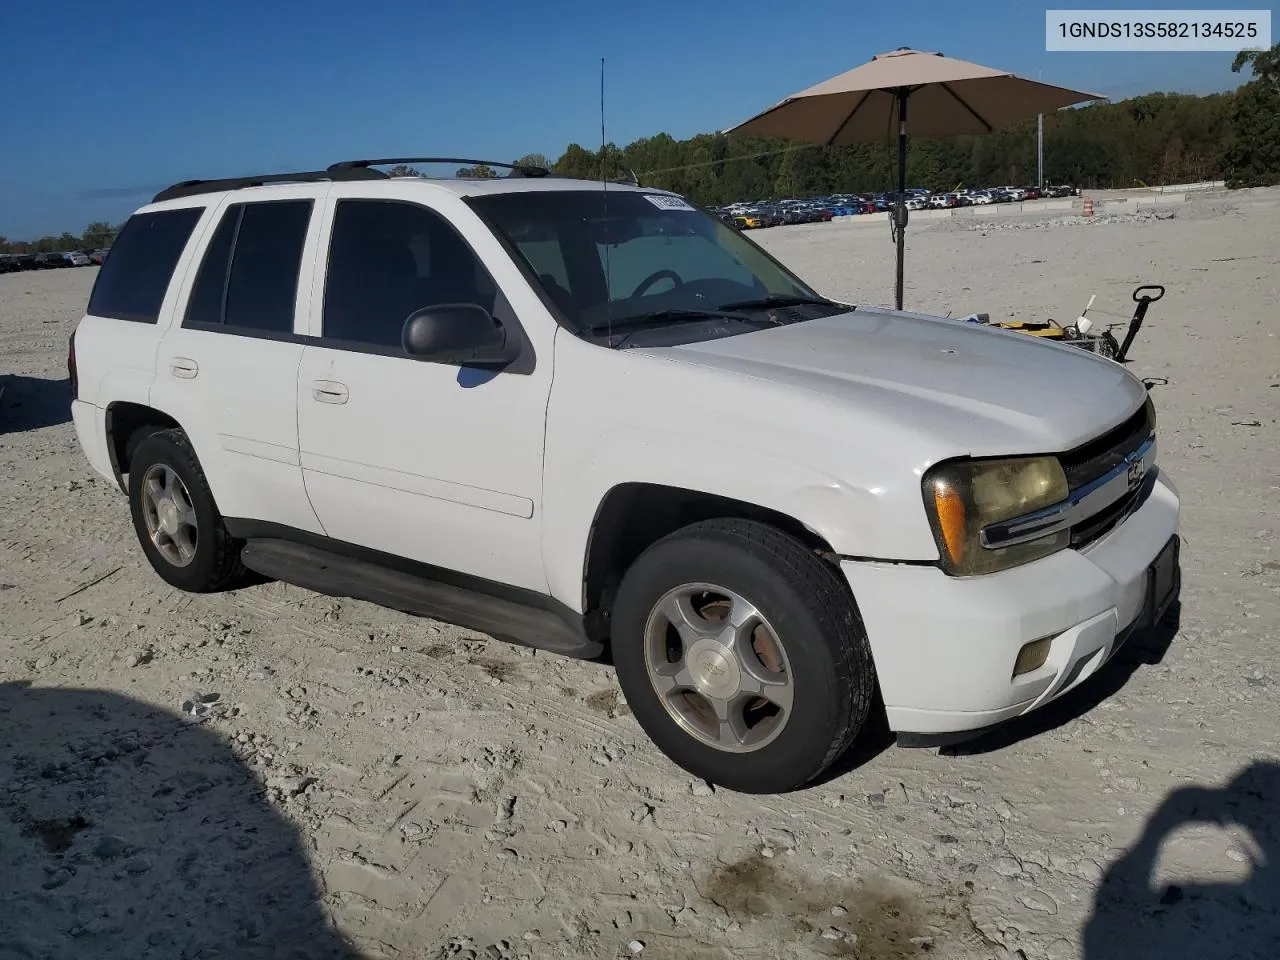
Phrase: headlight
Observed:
(964, 496)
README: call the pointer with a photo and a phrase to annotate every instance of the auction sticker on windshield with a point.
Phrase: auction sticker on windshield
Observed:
(664, 202)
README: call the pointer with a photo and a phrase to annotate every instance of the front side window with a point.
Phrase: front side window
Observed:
(249, 277)
(134, 278)
(617, 259)
(389, 259)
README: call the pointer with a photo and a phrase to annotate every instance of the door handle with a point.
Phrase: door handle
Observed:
(329, 391)
(183, 368)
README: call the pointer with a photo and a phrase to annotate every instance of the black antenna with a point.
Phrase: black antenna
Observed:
(604, 203)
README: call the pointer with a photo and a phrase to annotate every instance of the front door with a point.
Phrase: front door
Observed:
(437, 463)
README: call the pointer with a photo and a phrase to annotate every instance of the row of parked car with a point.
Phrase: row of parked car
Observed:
(969, 198)
(772, 213)
(13, 262)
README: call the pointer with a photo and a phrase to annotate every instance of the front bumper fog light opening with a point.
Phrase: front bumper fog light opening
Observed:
(1032, 656)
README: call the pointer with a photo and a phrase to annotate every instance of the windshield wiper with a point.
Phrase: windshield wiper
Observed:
(670, 315)
(778, 300)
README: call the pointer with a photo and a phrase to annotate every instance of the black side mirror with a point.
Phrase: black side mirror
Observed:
(457, 333)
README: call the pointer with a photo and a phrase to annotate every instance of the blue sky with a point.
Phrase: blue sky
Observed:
(107, 101)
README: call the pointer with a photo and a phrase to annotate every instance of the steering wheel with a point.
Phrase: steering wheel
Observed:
(653, 278)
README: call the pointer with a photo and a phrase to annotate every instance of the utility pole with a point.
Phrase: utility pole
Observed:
(1040, 142)
(1040, 150)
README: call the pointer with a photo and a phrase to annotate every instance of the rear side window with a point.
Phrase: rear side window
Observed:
(208, 296)
(132, 282)
(248, 280)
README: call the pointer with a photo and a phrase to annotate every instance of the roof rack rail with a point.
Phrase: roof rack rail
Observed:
(345, 170)
(517, 169)
(191, 188)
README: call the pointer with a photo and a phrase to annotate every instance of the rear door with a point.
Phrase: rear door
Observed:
(227, 369)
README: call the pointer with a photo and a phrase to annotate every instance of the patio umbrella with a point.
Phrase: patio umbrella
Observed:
(946, 97)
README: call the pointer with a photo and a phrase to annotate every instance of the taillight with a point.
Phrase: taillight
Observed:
(71, 367)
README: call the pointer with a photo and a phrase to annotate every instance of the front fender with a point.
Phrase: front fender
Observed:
(620, 416)
(854, 520)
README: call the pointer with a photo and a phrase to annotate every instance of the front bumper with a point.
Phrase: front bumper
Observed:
(945, 647)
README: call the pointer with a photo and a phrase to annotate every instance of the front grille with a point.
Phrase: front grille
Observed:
(1111, 516)
(1098, 457)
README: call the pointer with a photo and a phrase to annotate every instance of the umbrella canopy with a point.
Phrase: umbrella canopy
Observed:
(941, 95)
(948, 97)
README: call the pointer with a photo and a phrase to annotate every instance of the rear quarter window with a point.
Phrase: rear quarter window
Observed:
(133, 279)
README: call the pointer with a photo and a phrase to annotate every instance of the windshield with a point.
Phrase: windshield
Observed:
(619, 258)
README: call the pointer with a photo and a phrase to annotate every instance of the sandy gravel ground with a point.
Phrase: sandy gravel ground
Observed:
(272, 773)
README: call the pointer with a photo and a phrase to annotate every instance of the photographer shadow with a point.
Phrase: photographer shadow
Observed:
(32, 403)
(1134, 920)
(128, 831)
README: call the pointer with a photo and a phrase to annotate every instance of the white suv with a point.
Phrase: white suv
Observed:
(594, 419)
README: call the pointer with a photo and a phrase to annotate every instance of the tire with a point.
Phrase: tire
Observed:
(208, 560)
(805, 606)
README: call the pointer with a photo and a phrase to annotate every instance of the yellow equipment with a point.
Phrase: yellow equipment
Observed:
(1033, 328)
(1083, 333)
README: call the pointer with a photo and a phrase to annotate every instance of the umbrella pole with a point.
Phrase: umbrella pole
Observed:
(900, 212)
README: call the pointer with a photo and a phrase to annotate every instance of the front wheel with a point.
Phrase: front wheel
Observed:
(742, 655)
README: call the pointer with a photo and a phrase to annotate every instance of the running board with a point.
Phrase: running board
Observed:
(323, 571)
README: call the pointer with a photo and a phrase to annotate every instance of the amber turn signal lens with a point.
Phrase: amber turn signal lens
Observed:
(949, 507)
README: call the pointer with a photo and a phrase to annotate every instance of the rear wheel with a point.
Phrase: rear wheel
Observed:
(176, 518)
(742, 655)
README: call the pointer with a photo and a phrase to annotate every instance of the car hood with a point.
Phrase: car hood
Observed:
(981, 391)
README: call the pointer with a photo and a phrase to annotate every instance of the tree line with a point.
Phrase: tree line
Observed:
(1156, 138)
(95, 236)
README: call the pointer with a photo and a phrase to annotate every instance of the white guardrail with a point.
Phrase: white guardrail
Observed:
(1137, 199)
(1183, 187)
